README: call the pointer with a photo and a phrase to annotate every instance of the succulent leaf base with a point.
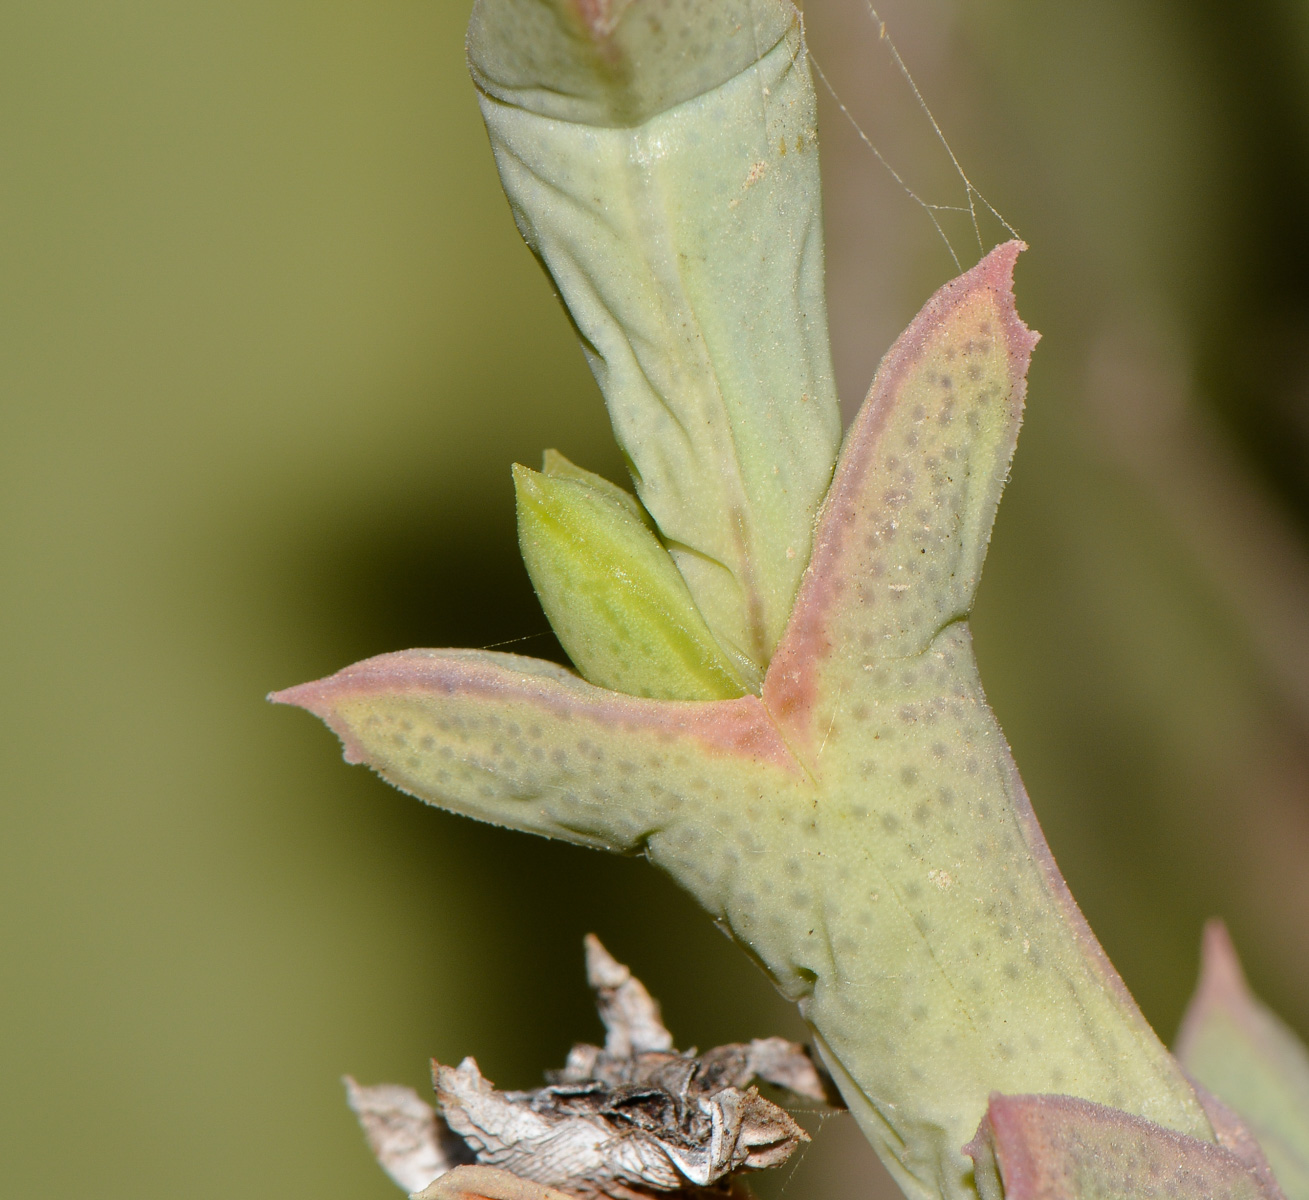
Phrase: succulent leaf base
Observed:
(777, 700)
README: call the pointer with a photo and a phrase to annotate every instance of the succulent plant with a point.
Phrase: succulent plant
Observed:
(775, 697)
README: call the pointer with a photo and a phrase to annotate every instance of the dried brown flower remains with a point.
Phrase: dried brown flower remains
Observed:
(627, 1121)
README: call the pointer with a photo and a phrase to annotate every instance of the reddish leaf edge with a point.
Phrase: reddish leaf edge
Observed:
(1053, 1147)
(767, 727)
(730, 727)
(487, 1183)
(792, 676)
(1224, 993)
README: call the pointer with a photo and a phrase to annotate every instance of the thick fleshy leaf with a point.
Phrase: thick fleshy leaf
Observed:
(862, 828)
(1249, 1059)
(525, 743)
(956, 953)
(615, 599)
(616, 62)
(1060, 1148)
(660, 159)
(555, 464)
(904, 529)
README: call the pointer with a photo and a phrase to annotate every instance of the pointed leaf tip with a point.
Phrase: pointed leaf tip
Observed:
(1222, 981)
(525, 743)
(1237, 1048)
(318, 697)
(904, 529)
(600, 16)
(610, 590)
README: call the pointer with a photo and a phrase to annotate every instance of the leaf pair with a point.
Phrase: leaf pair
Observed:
(858, 824)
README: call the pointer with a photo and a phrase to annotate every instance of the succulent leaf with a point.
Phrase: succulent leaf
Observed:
(1239, 1049)
(555, 464)
(616, 62)
(1061, 1148)
(904, 529)
(860, 827)
(525, 743)
(965, 941)
(660, 159)
(620, 607)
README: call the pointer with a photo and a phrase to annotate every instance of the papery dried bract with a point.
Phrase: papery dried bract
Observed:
(590, 1138)
(638, 1050)
(629, 1013)
(630, 1121)
(411, 1142)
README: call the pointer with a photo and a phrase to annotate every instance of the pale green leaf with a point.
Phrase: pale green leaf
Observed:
(1250, 1060)
(612, 593)
(661, 160)
(964, 940)
(616, 62)
(525, 743)
(555, 464)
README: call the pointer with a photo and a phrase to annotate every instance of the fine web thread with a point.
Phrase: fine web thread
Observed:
(527, 637)
(972, 193)
(798, 1157)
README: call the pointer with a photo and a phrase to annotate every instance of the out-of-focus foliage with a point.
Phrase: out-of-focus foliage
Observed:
(1246, 1056)
(268, 345)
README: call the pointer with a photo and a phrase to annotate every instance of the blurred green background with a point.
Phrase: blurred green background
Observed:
(268, 345)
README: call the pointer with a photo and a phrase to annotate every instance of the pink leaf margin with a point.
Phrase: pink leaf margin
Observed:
(727, 728)
(1049, 1147)
(792, 679)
